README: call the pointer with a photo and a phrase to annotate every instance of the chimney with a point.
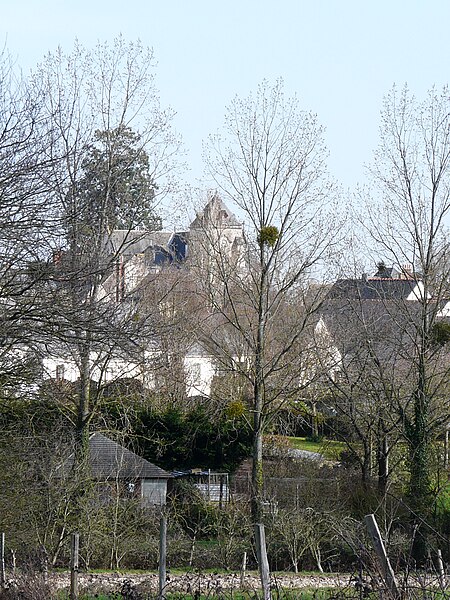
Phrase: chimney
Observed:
(120, 280)
(407, 271)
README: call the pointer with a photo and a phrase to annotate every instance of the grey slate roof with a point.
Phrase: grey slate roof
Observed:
(110, 460)
(372, 289)
(388, 325)
(387, 272)
(133, 242)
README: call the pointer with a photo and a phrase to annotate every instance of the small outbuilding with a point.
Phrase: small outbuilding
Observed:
(118, 470)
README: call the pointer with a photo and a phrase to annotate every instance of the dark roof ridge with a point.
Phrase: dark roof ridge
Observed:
(109, 460)
(390, 279)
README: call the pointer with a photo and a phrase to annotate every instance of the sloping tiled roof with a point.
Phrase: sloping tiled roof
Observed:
(372, 289)
(387, 272)
(129, 242)
(110, 460)
(386, 328)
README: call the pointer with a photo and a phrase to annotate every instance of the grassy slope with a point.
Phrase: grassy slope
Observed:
(329, 448)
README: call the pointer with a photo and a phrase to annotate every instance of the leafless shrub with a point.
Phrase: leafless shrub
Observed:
(28, 587)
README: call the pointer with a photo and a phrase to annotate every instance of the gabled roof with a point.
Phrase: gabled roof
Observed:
(110, 460)
(444, 309)
(375, 289)
(134, 242)
(387, 272)
(384, 327)
(215, 213)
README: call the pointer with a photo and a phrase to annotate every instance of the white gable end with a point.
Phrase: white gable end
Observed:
(445, 310)
(418, 293)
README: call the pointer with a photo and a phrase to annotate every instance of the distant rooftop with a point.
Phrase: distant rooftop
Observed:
(372, 289)
(215, 213)
(384, 272)
(388, 283)
(137, 241)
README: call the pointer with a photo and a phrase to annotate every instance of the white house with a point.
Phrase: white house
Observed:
(134, 257)
(139, 253)
(198, 367)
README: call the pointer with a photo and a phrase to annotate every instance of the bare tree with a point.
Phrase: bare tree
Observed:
(107, 90)
(271, 166)
(25, 218)
(366, 322)
(407, 219)
(169, 295)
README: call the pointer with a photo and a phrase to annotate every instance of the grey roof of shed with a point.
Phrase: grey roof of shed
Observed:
(110, 460)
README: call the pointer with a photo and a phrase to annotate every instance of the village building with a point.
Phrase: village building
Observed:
(118, 471)
(139, 258)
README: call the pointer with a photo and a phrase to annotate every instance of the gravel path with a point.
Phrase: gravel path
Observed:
(305, 454)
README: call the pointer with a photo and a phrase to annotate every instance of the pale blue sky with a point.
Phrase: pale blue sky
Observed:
(339, 56)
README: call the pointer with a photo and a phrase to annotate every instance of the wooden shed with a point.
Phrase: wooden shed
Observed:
(117, 469)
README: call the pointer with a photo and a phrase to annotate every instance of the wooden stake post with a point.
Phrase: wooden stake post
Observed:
(74, 564)
(261, 551)
(2, 560)
(162, 556)
(243, 569)
(441, 570)
(377, 541)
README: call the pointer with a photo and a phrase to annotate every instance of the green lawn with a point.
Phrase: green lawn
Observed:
(443, 500)
(330, 449)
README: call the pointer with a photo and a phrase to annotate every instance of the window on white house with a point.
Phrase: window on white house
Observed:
(195, 372)
(59, 372)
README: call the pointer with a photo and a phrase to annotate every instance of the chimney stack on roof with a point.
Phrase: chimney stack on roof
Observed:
(407, 271)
